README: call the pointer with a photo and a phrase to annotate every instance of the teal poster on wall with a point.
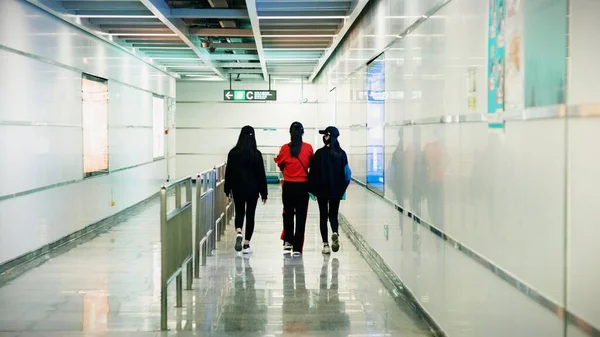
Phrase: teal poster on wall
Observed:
(496, 56)
(545, 51)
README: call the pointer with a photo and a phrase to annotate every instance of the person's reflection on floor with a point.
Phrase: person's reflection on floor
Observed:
(331, 313)
(295, 309)
(243, 313)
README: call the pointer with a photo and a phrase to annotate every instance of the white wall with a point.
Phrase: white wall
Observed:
(502, 195)
(208, 127)
(41, 61)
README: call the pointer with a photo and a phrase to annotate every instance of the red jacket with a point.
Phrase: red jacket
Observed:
(295, 170)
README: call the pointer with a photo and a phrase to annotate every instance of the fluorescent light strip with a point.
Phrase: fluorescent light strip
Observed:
(140, 34)
(296, 49)
(293, 59)
(177, 58)
(171, 48)
(327, 35)
(114, 16)
(189, 67)
(414, 17)
(302, 17)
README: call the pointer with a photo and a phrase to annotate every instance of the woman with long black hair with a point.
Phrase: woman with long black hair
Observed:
(293, 160)
(329, 178)
(245, 180)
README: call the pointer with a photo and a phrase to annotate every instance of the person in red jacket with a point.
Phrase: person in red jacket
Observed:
(293, 160)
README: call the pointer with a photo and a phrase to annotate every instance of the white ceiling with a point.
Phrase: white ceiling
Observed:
(216, 39)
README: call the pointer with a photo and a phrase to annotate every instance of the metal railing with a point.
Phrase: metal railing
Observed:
(213, 214)
(271, 169)
(270, 165)
(186, 240)
(222, 205)
(205, 210)
(176, 227)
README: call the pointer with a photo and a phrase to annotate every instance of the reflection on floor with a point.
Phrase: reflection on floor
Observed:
(110, 287)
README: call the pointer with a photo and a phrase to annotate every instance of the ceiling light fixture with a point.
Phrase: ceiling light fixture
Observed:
(94, 16)
(325, 35)
(139, 34)
(302, 17)
(293, 59)
(297, 49)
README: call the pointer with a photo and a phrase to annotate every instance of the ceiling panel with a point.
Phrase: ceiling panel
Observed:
(204, 38)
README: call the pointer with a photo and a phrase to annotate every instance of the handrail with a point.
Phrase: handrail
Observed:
(213, 214)
(188, 240)
(176, 249)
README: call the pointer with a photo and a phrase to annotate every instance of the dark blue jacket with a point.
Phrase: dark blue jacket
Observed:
(330, 174)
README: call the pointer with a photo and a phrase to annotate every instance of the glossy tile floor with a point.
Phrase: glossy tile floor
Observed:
(109, 286)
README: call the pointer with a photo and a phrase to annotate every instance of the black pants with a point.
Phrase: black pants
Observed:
(328, 210)
(295, 203)
(247, 208)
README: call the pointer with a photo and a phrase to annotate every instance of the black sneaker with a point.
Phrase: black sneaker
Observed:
(238, 242)
(335, 246)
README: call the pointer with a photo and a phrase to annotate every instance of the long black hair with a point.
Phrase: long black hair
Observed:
(246, 144)
(296, 133)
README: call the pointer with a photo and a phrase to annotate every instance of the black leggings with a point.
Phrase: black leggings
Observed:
(328, 209)
(295, 203)
(246, 208)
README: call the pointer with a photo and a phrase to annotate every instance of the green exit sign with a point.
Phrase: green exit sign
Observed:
(239, 95)
(250, 95)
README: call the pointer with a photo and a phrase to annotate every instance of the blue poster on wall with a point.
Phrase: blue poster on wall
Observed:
(496, 54)
(376, 124)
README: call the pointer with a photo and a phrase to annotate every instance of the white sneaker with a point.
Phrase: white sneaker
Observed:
(297, 254)
(326, 249)
(247, 249)
(287, 248)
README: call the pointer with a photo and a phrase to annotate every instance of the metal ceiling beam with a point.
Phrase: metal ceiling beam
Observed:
(234, 57)
(307, 1)
(317, 14)
(188, 13)
(340, 36)
(223, 4)
(221, 32)
(245, 46)
(299, 5)
(239, 65)
(292, 32)
(253, 14)
(103, 5)
(125, 21)
(245, 71)
(161, 10)
(111, 13)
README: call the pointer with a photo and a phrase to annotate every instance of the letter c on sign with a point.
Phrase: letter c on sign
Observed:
(249, 95)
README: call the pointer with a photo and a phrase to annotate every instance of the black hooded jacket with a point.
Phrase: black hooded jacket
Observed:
(245, 176)
(330, 174)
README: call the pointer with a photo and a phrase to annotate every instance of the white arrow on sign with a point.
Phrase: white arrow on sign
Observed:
(228, 95)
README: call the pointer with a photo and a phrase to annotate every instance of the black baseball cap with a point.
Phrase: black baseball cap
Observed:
(248, 130)
(331, 131)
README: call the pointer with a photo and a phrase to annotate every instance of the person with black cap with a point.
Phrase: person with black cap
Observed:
(294, 160)
(245, 180)
(329, 178)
